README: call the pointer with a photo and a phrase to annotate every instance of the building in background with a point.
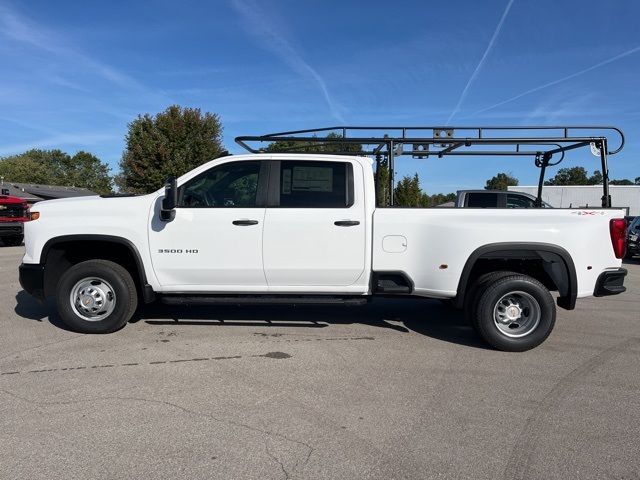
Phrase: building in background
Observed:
(587, 196)
(32, 193)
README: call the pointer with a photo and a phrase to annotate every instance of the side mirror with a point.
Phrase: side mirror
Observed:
(170, 200)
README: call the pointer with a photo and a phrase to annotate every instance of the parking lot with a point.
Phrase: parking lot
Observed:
(395, 389)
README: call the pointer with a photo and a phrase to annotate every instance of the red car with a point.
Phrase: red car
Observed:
(13, 213)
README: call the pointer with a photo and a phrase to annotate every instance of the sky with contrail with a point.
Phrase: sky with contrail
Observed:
(480, 64)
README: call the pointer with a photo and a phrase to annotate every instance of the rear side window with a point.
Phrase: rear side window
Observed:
(316, 184)
(482, 200)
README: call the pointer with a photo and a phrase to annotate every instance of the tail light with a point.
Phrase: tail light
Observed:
(618, 230)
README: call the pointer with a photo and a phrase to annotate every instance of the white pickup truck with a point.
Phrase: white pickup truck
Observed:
(304, 228)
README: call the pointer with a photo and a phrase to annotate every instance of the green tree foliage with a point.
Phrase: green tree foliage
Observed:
(570, 176)
(171, 143)
(330, 144)
(408, 193)
(580, 176)
(54, 167)
(501, 181)
(382, 183)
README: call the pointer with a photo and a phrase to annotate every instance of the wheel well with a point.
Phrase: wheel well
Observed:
(550, 265)
(62, 255)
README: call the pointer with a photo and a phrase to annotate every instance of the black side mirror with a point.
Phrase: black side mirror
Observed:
(170, 200)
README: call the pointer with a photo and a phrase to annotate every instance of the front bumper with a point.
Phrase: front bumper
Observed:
(11, 228)
(31, 277)
(610, 282)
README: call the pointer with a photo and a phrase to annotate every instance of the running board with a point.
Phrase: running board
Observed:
(261, 300)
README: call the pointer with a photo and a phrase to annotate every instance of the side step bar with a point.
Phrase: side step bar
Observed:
(261, 300)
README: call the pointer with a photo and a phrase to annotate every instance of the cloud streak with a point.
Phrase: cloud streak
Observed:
(475, 73)
(560, 80)
(76, 139)
(259, 25)
(22, 30)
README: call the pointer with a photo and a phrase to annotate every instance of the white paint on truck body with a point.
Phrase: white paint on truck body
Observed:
(586, 196)
(302, 251)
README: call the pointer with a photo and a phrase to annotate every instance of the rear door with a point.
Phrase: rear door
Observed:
(314, 229)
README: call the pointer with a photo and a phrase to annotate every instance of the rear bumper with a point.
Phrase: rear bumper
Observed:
(11, 228)
(31, 277)
(610, 282)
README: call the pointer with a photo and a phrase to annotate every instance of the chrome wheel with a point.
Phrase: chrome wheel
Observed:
(92, 299)
(516, 314)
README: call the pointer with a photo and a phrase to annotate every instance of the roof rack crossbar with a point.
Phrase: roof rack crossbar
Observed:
(445, 142)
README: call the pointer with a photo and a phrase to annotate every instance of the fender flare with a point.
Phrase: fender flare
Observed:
(557, 263)
(146, 289)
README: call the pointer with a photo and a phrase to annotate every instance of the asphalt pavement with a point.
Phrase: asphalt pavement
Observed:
(393, 389)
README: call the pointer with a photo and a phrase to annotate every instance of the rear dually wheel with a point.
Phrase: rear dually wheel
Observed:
(513, 313)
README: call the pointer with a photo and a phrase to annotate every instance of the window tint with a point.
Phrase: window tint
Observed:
(316, 184)
(518, 201)
(482, 200)
(231, 185)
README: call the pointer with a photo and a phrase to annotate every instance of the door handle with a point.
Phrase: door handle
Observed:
(346, 223)
(245, 223)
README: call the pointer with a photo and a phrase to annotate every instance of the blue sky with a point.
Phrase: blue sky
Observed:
(73, 74)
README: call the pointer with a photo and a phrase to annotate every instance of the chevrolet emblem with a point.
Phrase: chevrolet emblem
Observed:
(3, 207)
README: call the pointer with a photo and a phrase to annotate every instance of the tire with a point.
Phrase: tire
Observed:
(498, 303)
(109, 294)
(13, 240)
(478, 287)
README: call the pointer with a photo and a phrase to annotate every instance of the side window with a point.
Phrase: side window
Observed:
(518, 201)
(231, 185)
(316, 184)
(482, 200)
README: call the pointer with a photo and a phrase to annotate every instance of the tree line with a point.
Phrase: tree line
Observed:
(179, 139)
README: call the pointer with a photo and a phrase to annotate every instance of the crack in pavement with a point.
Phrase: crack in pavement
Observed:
(272, 355)
(268, 433)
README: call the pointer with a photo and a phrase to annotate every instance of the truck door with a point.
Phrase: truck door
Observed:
(314, 232)
(214, 243)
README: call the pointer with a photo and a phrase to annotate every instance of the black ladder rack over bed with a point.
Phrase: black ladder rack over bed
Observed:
(540, 142)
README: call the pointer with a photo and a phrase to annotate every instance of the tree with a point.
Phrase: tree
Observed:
(171, 143)
(408, 193)
(569, 176)
(623, 181)
(382, 182)
(596, 178)
(55, 167)
(501, 181)
(637, 181)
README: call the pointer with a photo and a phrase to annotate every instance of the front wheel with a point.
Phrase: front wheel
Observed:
(515, 313)
(96, 296)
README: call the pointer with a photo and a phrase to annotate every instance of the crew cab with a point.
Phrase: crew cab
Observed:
(304, 228)
(13, 214)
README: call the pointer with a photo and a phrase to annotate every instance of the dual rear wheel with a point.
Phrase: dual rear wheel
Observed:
(511, 311)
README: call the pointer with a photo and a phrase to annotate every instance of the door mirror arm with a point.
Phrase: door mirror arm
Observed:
(170, 200)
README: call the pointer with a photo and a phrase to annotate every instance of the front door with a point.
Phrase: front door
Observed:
(214, 243)
(314, 232)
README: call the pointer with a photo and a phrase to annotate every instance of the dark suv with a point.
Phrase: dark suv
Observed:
(633, 238)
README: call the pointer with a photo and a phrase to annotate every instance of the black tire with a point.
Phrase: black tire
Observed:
(123, 292)
(471, 298)
(491, 294)
(13, 240)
